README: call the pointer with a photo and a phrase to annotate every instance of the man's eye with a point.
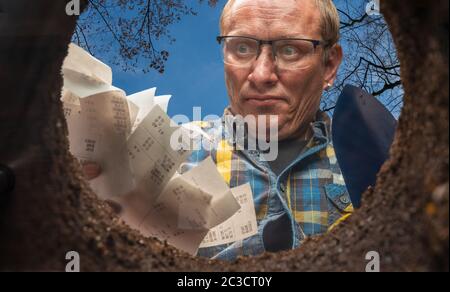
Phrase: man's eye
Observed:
(243, 49)
(289, 51)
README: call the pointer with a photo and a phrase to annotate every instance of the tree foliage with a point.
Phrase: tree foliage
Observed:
(129, 29)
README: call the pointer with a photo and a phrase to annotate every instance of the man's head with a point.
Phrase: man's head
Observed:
(262, 87)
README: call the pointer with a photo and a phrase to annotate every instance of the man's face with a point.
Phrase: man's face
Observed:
(263, 89)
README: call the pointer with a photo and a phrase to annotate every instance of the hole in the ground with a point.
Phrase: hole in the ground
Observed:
(405, 218)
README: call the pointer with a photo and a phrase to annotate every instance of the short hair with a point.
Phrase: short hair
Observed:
(330, 21)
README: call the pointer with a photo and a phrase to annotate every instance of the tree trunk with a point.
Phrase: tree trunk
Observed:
(52, 211)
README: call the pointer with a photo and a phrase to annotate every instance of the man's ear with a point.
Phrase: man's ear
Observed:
(335, 55)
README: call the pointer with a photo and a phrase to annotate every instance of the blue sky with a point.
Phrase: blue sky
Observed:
(194, 72)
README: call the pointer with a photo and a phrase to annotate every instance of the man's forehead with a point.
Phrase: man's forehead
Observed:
(272, 12)
(286, 4)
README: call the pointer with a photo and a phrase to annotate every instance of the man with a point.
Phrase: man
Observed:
(279, 58)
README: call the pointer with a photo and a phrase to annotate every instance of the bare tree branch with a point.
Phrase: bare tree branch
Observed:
(370, 58)
(127, 30)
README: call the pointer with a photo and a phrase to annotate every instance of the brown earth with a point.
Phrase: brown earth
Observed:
(52, 210)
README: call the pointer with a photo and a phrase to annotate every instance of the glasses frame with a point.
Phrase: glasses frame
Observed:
(316, 43)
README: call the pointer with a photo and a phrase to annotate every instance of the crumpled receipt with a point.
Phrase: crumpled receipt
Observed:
(186, 210)
(131, 137)
(240, 226)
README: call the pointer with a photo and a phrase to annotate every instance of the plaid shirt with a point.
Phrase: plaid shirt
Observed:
(307, 199)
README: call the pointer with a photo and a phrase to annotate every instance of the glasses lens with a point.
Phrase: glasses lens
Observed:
(293, 54)
(239, 51)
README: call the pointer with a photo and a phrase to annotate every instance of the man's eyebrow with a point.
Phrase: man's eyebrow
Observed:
(292, 36)
(240, 32)
(243, 33)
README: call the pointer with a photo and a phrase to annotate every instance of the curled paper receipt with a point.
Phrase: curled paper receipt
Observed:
(186, 210)
(132, 139)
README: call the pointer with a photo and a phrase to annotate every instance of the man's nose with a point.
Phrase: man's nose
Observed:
(264, 69)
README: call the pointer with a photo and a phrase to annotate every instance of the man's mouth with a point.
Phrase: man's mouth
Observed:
(264, 100)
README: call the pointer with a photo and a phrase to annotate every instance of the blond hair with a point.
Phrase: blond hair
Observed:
(330, 22)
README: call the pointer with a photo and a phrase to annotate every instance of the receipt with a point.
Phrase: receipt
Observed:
(215, 202)
(146, 101)
(240, 226)
(106, 117)
(100, 130)
(86, 66)
(109, 110)
(139, 149)
(186, 209)
(152, 158)
(83, 139)
(67, 97)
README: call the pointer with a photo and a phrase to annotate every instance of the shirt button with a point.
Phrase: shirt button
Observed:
(344, 200)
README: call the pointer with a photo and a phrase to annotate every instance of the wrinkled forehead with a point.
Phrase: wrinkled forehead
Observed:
(273, 18)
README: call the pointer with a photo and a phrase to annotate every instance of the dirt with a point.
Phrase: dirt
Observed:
(52, 210)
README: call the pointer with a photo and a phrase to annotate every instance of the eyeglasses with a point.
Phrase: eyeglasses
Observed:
(288, 54)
